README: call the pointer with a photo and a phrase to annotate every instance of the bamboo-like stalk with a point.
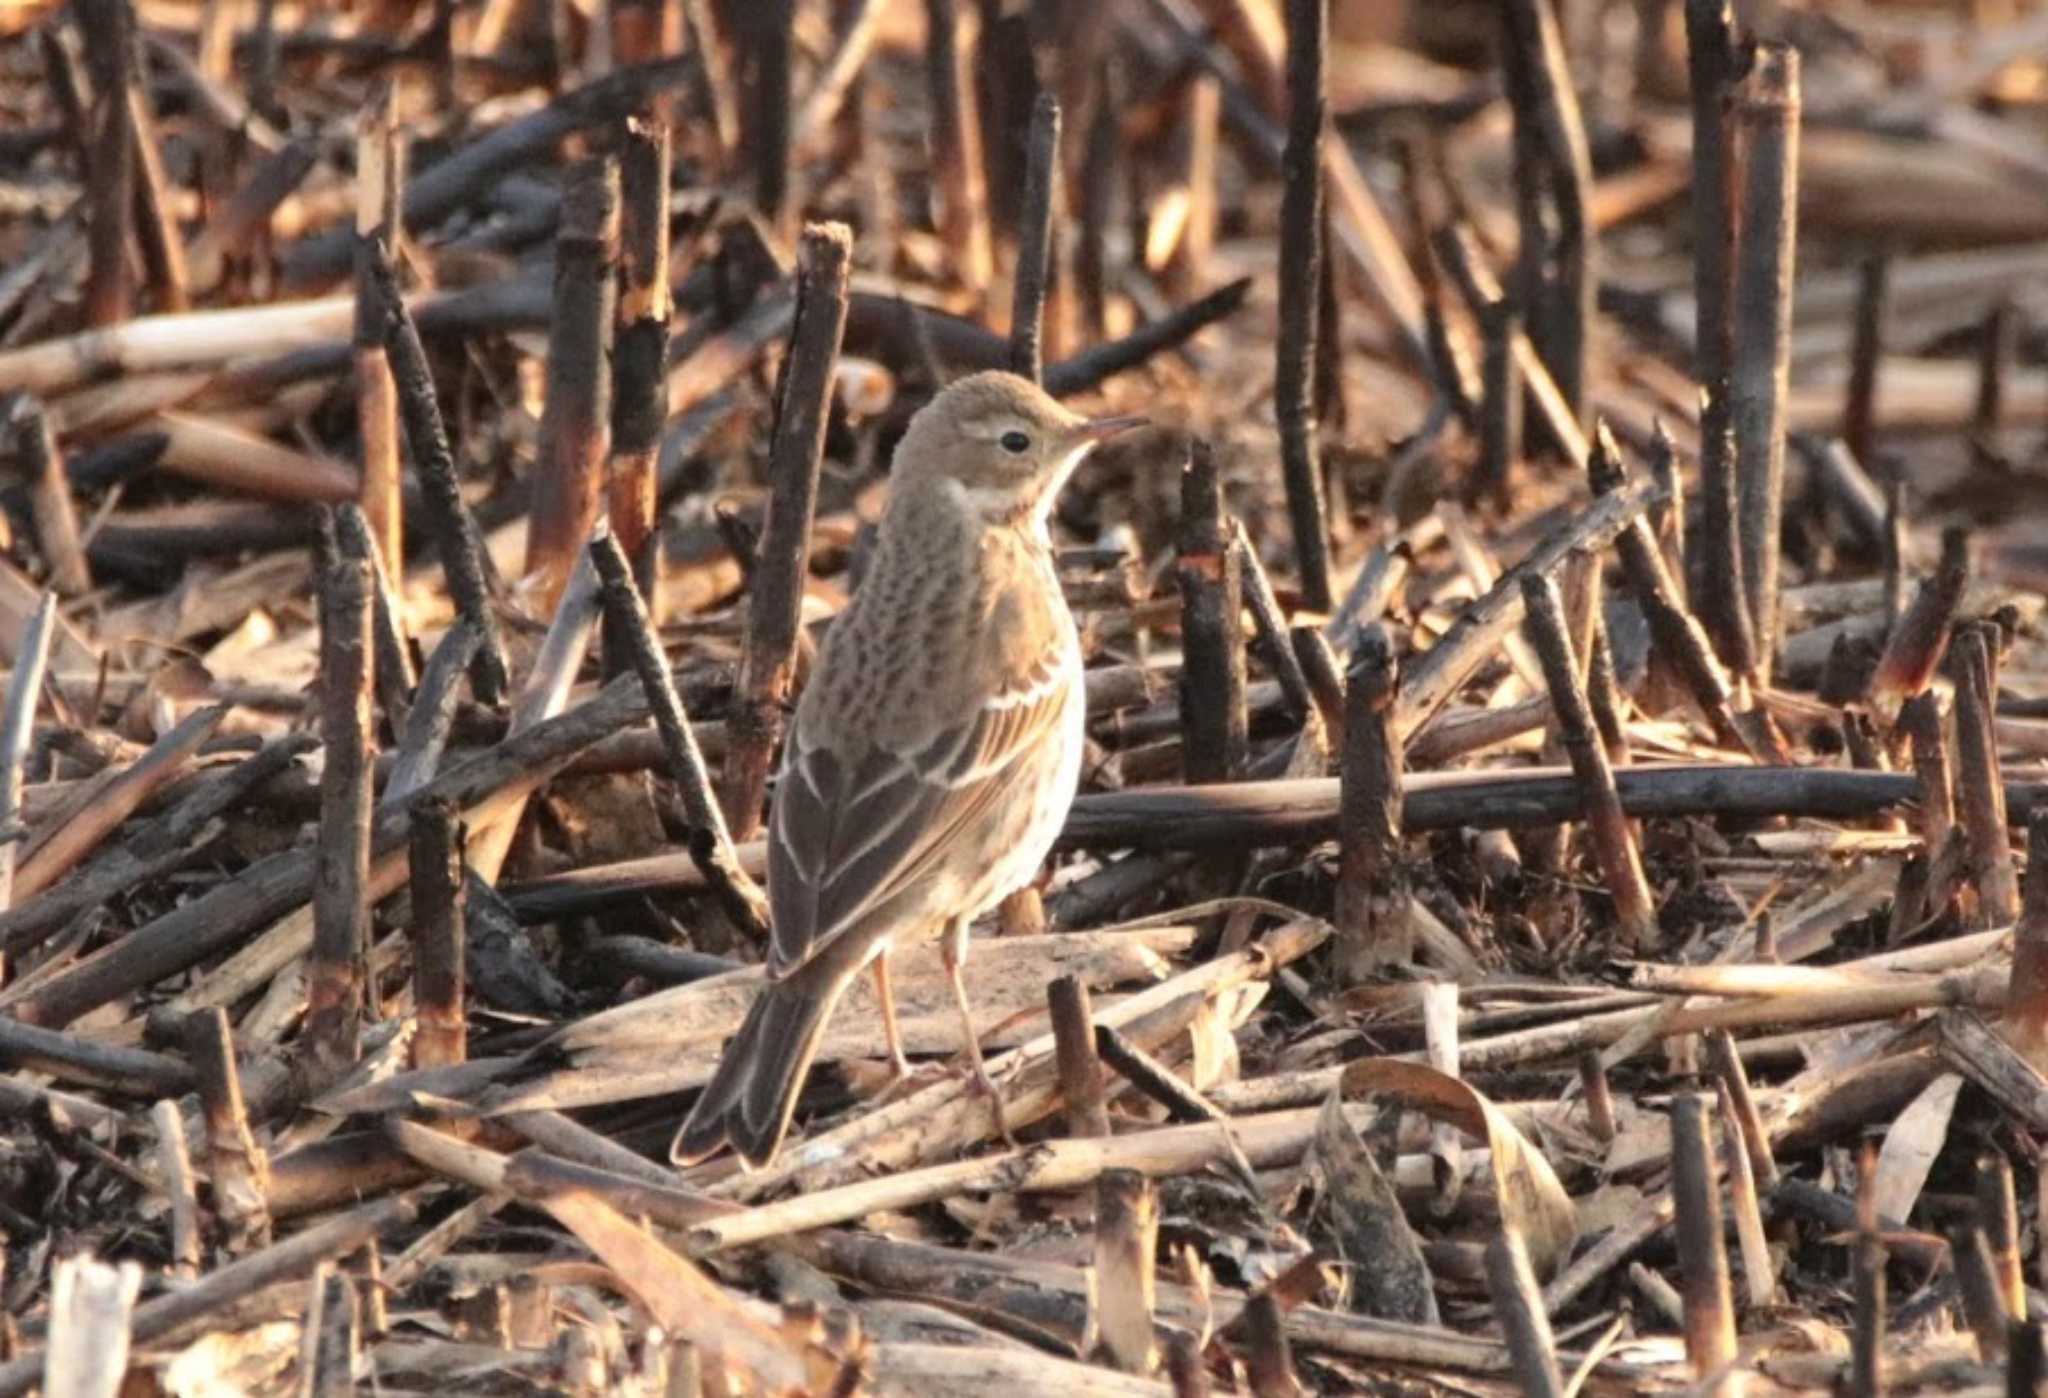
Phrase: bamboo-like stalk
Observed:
(1212, 676)
(710, 840)
(50, 505)
(1301, 252)
(1702, 1258)
(639, 399)
(1998, 1217)
(378, 179)
(1374, 930)
(575, 427)
(238, 1167)
(440, 935)
(1980, 793)
(1036, 235)
(1758, 1272)
(1126, 1240)
(109, 30)
(1866, 351)
(1518, 1301)
(1983, 1301)
(1599, 1095)
(775, 602)
(17, 728)
(337, 973)
(1914, 649)
(2026, 996)
(1767, 114)
(1073, 1028)
(956, 159)
(1614, 845)
(174, 1167)
(1713, 63)
(1555, 275)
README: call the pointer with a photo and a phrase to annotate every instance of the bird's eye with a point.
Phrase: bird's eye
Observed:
(1016, 443)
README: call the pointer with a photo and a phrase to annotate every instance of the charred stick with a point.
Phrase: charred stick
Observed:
(1080, 372)
(1914, 649)
(1893, 549)
(770, 93)
(1702, 1258)
(1980, 794)
(1599, 1095)
(1073, 1030)
(1325, 681)
(108, 27)
(1995, 346)
(1715, 65)
(1555, 276)
(1866, 1340)
(332, 1333)
(1460, 256)
(1603, 693)
(1269, 1359)
(575, 425)
(1518, 1302)
(1373, 926)
(439, 934)
(1866, 349)
(378, 177)
(775, 597)
(1035, 237)
(956, 159)
(336, 973)
(639, 395)
(1767, 112)
(49, 494)
(1921, 721)
(710, 841)
(1212, 676)
(393, 668)
(1097, 197)
(238, 1167)
(1270, 625)
(1500, 399)
(1614, 845)
(1301, 252)
(1758, 1271)
(1673, 629)
(454, 528)
(1667, 515)
(432, 715)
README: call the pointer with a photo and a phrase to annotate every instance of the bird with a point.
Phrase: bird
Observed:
(935, 749)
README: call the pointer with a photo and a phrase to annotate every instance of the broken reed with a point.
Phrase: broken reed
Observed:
(1301, 254)
(775, 595)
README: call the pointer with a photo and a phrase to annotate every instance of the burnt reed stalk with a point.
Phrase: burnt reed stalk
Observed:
(1714, 65)
(1767, 110)
(456, 536)
(377, 195)
(391, 651)
(1099, 169)
(51, 508)
(1373, 927)
(795, 453)
(1702, 1253)
(1980, 793)
(770, 96)
(1212, 676)
(1866, 351)
(575, 424)
(1673, 631)
(1080, 1069)
(1035, 240)
(336, 971)
(1518, 1301)
(640, 348)
(1269, 622)
(958, 175)
(439, 929)
(1301, 253)
(1607, 828)
(711, 845)
(1553, 174)
(110, 163)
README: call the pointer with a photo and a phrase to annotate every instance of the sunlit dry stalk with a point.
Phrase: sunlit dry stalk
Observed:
(1914, 649)
(1212, 676)
(1702, 1255)
(1037, 235)
(1980, 791)
(1998, 1217)
(775, 601)
(379, 177)
(439, 935)
(1126, 1241)
(1866, 350)
(639, 398)
(956, 159)
(1518, 1302)
(1073, 1028)
(1767, 114)
(2026, 1001)
(237, 1166)
(1374, 930)
(575, 427)
(49, 494)
(1614, 846)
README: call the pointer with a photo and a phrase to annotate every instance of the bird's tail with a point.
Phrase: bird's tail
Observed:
(750, 1097)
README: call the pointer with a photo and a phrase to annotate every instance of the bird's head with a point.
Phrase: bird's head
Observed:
(1005, 443)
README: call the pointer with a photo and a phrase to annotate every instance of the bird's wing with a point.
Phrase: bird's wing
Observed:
(850, 835)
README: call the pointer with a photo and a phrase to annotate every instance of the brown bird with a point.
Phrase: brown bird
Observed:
(935, 750)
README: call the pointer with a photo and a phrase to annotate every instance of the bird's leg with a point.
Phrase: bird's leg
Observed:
(952, 949)
(898, 1063)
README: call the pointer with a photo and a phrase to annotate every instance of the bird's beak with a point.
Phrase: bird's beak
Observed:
(1102, 428)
